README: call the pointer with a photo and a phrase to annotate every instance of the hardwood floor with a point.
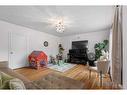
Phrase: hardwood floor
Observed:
(79, 72)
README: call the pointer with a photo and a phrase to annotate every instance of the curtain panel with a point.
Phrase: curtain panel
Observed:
(117, 56)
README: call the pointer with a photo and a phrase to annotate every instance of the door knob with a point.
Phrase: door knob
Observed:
(11, 52)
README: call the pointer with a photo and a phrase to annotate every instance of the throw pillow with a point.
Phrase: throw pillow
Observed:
(4, 79)
(16, 84)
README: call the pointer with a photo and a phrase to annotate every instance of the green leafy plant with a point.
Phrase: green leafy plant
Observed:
(61, 49)
(99, 47)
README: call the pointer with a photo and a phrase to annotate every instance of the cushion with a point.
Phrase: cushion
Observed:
(103, 58)
(4, 80)
(16, 84)
(14, 74)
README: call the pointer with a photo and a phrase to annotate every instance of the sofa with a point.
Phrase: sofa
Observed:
(50, 81)
(4, 68)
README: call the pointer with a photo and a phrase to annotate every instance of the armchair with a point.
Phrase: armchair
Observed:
(101, 68)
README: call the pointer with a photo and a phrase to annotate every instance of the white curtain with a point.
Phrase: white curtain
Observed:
(117, 58)
(110, 51)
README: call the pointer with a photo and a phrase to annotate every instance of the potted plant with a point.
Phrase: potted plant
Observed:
(61, 49)
(99, 47)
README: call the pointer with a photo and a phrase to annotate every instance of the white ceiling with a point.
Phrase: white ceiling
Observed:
(78, 19)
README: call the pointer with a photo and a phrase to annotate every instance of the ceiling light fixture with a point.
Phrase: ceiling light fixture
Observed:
(60, 26)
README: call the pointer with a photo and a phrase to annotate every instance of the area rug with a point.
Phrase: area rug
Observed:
(62, 67)
(57, 81)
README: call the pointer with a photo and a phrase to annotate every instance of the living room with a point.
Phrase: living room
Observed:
(53, 47)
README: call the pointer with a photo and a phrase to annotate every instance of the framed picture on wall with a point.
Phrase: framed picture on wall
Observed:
(45, 43)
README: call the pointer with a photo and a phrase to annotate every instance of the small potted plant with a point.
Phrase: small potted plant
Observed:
(61, 49)
(60, 55)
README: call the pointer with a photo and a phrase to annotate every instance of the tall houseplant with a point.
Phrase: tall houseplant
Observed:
(99, 47)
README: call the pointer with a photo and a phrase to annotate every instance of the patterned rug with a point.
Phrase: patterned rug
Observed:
(62, 67)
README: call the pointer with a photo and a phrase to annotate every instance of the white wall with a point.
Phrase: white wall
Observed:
(35, 40)
(92, 37)
(125, 47)
(3, 43)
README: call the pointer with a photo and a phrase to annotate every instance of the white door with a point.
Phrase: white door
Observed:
(17, 51)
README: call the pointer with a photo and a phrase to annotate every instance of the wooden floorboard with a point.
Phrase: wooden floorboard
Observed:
(79, 72)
